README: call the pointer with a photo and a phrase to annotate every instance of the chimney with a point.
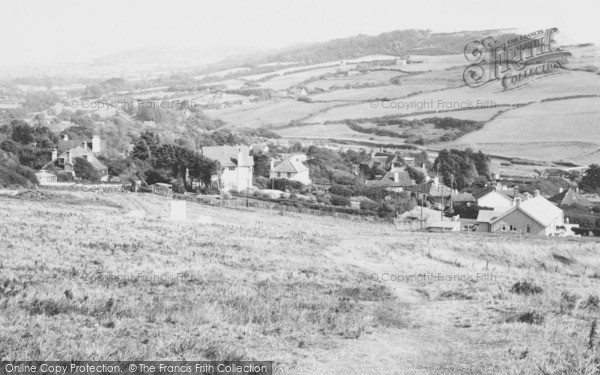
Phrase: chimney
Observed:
(577, 190)
(396, 177)
(239, 157)
(272, 164)
(96, 148)
(65, 137)
(517, 202)
(69, 161)
(536, 193)
(54, 154)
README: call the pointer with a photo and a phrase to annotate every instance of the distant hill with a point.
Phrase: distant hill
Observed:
(400, 42)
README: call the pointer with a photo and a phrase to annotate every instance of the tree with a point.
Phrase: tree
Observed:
(21, 132)
(415, 174)
(83, 169)
(591, 179)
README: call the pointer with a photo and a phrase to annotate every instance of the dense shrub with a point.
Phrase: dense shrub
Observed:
(526, 288)
(338, 200)
(341, 190)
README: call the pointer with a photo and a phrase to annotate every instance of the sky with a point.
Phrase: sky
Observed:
(52, 31)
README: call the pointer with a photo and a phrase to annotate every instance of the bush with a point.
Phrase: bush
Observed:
(368, 205)
(526, 288)
(85, 170)
(340, 190)
(338, 200)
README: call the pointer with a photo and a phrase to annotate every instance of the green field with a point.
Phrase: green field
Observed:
(317, 295)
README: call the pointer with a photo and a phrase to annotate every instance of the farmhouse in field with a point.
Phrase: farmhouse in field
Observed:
(237, 166)
(66, 160)
(528, 215)
(290, 168)
(570, 197)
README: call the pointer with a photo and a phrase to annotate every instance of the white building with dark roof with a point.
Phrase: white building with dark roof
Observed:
(290, 168)
(237, 166)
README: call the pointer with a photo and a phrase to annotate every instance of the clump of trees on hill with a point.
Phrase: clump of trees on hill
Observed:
(168, 163)
(461, 167)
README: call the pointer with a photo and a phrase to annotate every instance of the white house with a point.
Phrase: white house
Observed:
(292, 169)
(497, 197)
(529, 215)
(237, 166)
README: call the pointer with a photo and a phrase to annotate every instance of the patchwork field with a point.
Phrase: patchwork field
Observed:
(558, 85)
(268, 112)
(371, 93)
(537, 127)
(380, 78)
(317, 295)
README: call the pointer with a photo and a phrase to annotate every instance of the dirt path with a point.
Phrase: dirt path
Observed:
(434, 346)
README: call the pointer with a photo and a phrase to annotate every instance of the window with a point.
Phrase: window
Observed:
(278, 174)
(503, 226)
(528, 228)
(289, 175)
(61, 161)
(232, 168)
(513, 228)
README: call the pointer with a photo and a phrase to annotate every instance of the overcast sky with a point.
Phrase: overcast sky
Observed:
(43, 31)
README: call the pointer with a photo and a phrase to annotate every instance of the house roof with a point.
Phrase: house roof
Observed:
(80, 152)
(491, 215)
(541, 209)
(462, 197)
(228, 155)
(538, 208)
(509, 193)
(290, 166)
(570, 197)
(388, 180)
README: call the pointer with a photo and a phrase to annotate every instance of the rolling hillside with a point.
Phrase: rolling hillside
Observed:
(313, 294)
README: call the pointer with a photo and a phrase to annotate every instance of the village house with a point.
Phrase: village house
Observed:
(570, 197)
(384, 160)
(237, 166)
(290, 168)
(433, 190)
(396, 180)
(498, 196)
(526, 215)
(66, 161)
(96, 145)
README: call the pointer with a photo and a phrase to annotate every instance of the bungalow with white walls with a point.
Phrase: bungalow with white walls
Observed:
(237, 166)
(290, 168)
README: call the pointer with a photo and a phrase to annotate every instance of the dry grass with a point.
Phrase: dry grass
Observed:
(308, 292)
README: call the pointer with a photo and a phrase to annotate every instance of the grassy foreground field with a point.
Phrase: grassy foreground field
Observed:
(88, 276)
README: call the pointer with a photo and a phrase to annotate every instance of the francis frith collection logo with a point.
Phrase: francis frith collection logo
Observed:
(515, 61)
